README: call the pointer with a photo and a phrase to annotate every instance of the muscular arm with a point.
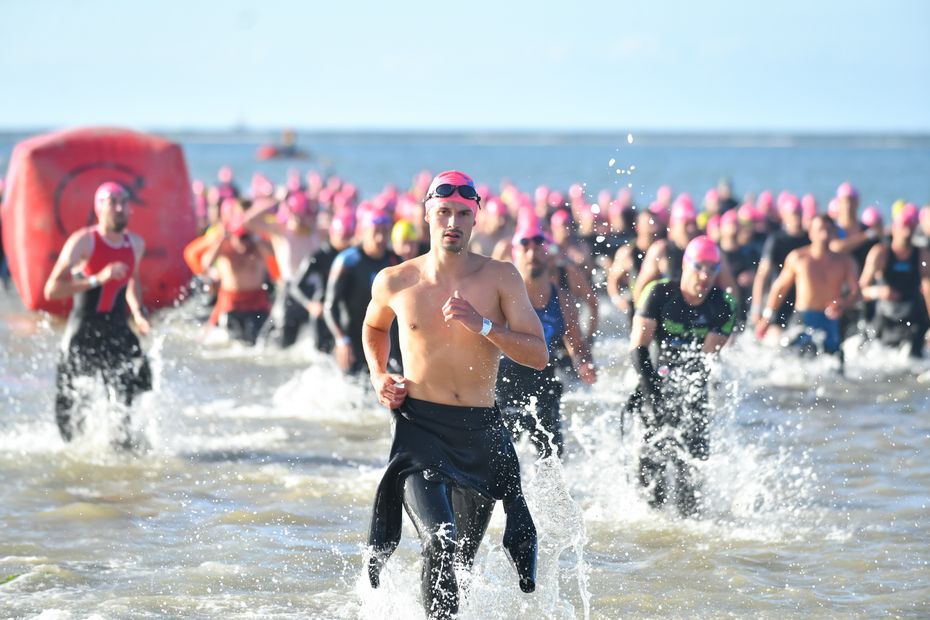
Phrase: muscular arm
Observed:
(853, 292)
(649, 272)
(925, 276)
(376, 341)
(134, 290)
(782, 283)
(618, 273)
(852, 241)
(725, 279)
(335, 291)
(873, 264)
(575, 343)
(758, 284)
(255, 221)
(210, 256)
(60, 284)
(582, 289)
(521, 339)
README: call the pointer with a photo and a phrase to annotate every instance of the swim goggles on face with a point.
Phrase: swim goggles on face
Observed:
(709, 269)
(537, 239)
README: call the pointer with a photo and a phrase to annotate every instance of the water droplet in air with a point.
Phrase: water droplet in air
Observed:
(629, 138)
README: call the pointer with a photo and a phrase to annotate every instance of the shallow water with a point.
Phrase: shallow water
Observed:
(254, 498)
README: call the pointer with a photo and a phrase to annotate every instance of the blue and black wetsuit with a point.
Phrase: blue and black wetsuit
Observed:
(348, 293)
(517, 385)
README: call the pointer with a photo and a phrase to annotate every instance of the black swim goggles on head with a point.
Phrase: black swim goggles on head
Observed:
(447, 189)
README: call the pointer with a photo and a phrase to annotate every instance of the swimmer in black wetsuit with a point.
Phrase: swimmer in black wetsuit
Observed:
(689, 320)
(452, 457)
(309, 289)
(98, 339)
(348, 289)
(897, 275)
(518, 385)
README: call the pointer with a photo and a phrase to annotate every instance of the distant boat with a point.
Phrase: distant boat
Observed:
(288, 148)
(280, 151)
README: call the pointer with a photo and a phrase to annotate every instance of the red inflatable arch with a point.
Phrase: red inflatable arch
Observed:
(50, 188)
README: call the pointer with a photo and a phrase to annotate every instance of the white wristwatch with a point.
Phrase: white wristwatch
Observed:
(93, 281)
(486, 326)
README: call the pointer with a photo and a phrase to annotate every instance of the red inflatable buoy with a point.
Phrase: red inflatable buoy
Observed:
(50, 188)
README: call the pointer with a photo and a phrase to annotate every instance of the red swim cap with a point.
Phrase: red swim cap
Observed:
(702, 249)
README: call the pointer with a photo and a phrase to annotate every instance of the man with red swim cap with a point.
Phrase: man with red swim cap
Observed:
(689, 320)
(452, 456)
(99, 267)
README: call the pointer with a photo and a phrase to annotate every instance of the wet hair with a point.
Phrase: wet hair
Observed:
(826, 219)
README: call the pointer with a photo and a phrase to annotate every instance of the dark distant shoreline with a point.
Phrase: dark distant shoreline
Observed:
(530, 137)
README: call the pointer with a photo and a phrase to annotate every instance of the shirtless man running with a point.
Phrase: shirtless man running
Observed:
(452, 456)
(826, 283)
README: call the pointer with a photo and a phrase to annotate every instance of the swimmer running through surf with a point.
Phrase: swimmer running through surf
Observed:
(451, 456)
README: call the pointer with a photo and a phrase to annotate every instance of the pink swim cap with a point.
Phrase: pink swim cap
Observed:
(659, 213)
(528, 232)
(908, 216)
(685, 200)
(870, 216)
(765, 201)
(925, 215)
(542, 193)
(790, 205)
(711, 196)
(496, 207)
(197, 186)
(664, 194)
(560, 218)
(701, 249)
(748, 213)
(225, 175)
(556, 200)
(681, 212)
(343, 222)
(451, 177)
(846, 190)
(228, 209)
(576, 191)
(296, 204)
(110, 188)
(713, 225)
(728, 219)
(833, 208)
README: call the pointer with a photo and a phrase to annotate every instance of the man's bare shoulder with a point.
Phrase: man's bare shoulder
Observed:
(403, 275)
(492, 270)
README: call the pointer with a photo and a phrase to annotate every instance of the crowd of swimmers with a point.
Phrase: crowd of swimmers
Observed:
(401, 286)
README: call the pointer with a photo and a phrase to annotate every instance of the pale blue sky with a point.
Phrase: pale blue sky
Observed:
(712, 65)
